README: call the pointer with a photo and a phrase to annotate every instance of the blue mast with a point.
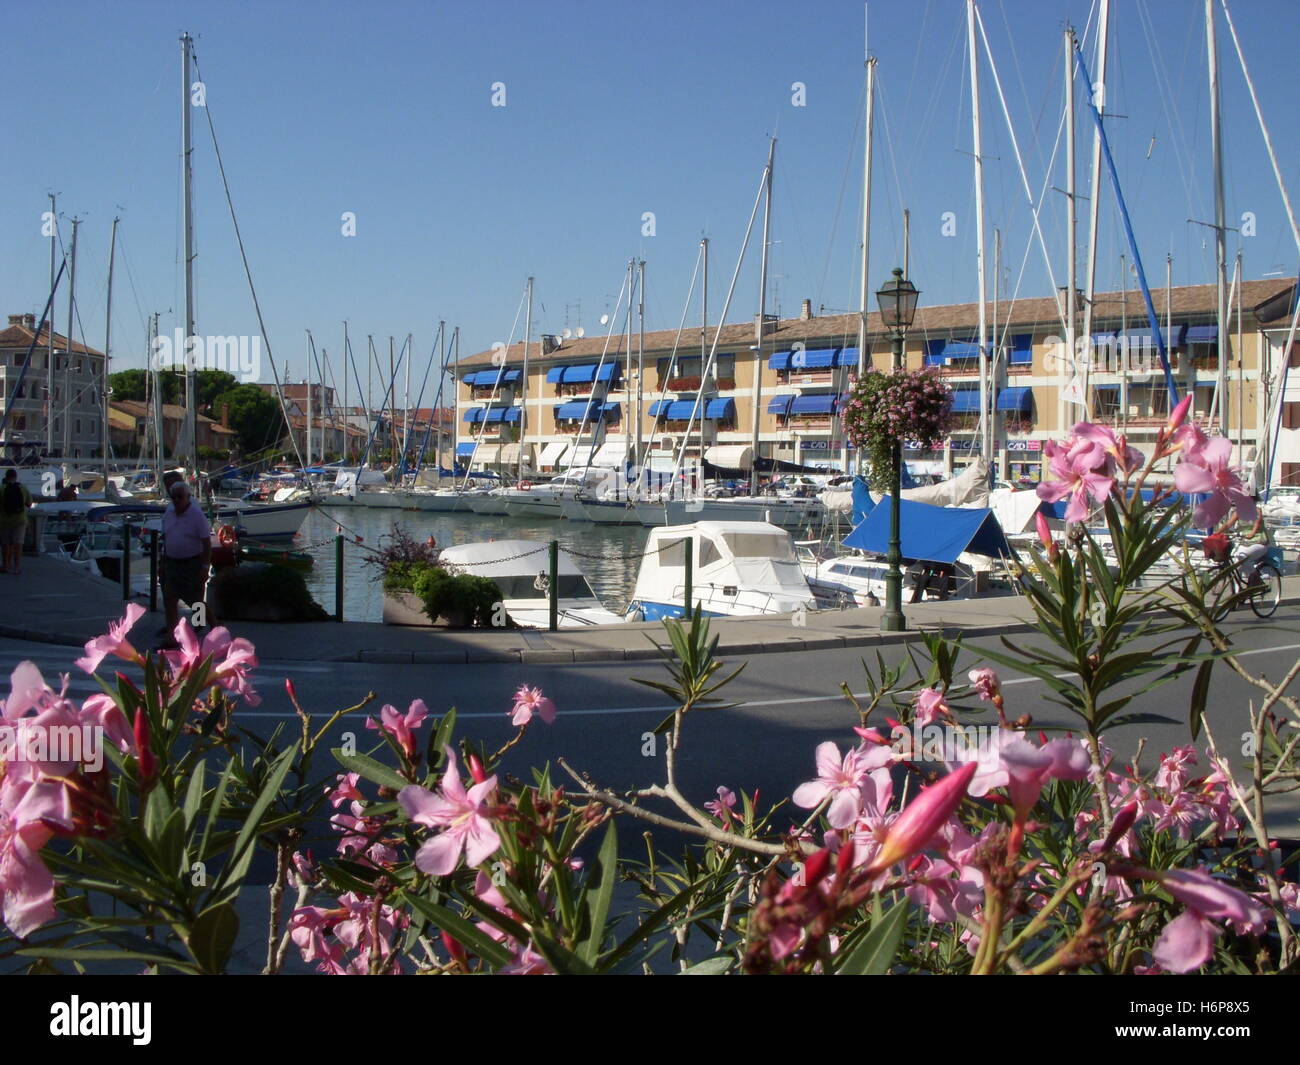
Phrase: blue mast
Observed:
(1128, 230)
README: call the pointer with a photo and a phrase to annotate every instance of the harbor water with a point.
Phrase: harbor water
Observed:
(608, 554)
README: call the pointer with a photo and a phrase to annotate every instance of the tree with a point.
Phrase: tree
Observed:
(253, 414)
(208, 385)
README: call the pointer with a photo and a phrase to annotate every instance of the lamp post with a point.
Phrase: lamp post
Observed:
(897, 301)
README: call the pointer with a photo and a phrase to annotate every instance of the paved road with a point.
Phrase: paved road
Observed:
(788, 704)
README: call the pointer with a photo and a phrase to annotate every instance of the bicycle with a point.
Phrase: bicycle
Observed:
(1253, 576)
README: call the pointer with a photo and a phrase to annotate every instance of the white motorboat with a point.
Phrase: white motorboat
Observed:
(787, 513)
(738, 568)
(545, 500)
(521, 570)
(494, 501)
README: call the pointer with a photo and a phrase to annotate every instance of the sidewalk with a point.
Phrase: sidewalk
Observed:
(53, 602)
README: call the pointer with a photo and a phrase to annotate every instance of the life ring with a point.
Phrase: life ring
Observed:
(226, 536)
(525, 485)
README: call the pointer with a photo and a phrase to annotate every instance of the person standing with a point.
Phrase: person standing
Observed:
(187, 553)
(14, 501)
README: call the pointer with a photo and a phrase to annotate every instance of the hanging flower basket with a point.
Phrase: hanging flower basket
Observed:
(882, 408)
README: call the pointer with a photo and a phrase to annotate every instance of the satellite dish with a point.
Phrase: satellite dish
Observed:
(568, 333)
(604, 319)
(582, 332)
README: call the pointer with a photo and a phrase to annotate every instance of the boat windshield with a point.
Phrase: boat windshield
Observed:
(523, 586)
(760, 545)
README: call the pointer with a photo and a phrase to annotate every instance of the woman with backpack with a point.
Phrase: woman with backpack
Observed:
(14, 501)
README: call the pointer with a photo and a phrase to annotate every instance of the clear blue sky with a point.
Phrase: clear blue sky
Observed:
(384, 109)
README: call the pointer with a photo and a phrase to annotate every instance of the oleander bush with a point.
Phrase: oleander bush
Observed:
(944, 834)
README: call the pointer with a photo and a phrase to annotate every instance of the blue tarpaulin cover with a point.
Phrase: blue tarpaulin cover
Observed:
(931, 534)
(863, 504)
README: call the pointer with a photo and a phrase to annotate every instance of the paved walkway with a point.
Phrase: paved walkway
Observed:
(54, 602)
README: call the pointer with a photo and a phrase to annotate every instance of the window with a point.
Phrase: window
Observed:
(708, 552)
(673, 554)
(760, 545)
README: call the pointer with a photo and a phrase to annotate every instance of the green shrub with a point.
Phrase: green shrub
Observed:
(455, 596)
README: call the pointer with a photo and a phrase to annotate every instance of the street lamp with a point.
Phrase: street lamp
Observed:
(897, 301)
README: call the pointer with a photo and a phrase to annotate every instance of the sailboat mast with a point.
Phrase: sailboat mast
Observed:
(49, 336)
(523, 384)
(757, 394)
(640, 367)
(156, 380)
(187, 441)
(986, 440)
(1220, 230)
(347, 417)
(1094, 187)
(108, 342)
(65, 395)
(309, 396)
(864, 288)
(1072, 226)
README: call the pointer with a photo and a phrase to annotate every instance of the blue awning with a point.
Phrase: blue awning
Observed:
(492, 378)
(1105, 388)
(966, 400)
(1144, 335)
(591, 411)
(1022, 349)
(721, 410)
(1016, 399)
(462, 450)
(474, 415)
(1201, 334)
(961, 349)
(583, 373)
(780, 405)
(846, 357)
(495, 414)
(513, 414)
(814, 404)
(932, 534)
(779, 360)
(673, 410)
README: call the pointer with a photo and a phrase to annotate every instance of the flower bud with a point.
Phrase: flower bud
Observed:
(1123, 822)
(923, 817)
(145, 759)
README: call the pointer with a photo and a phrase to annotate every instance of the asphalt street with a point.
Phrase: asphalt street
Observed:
(787, 704)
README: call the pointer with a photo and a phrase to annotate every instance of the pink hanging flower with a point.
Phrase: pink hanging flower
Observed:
(530, 701)
(114, 642)
(461, 814)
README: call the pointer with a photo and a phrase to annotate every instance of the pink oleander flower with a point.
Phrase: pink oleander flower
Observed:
(1177, 416)
(114, 642)
(401, 726)
(924, 816)
(1127, 459)
(842, 780)
(1206, 467)
(530, 701)
(721, 809)
(26, 885)
(229, 659)
(1186, 943)
(930, 707)
(987, 684)
(461, 814)
(1029, 768)
(1080, 467)
(1213, 899)
(345, 790)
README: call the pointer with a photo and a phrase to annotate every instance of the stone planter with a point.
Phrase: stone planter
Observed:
(404, 608)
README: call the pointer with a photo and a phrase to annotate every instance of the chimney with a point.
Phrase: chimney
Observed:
(805, 311)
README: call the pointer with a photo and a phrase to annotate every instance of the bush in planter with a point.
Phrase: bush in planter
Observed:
(262, 591)
(464, 600)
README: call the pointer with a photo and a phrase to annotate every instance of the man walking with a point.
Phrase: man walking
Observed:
(14, 501)
(187, 549)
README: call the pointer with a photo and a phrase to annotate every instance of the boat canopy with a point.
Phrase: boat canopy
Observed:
(932, 534)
